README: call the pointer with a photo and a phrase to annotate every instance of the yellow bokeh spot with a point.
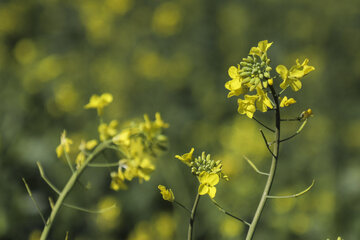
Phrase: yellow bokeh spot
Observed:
(25, 51)
(165, 226)
(35, 235)
(231, 228)
(299, 223)
(119, 6)
(166, 19)
(66, 97)
(48, 68)
(150, 65)
(108, 219)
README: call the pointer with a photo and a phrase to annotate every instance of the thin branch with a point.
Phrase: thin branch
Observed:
(181, 205)
(115, 164)
(89, 210)
(267, 144)
(69, 162)
(254, 167)
(192, 217)
(262, 124)
(35, 203)
(229, 214)
(295, 195)
(42, 174)
(296, 133)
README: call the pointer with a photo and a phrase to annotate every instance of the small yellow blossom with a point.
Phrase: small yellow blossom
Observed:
(123, 138)
(285, 102)
(91, 144)
(263, 102)
(80, 158)
(235, 85)
(262, 48)
(270, 81)
(118, 181)
(107, 131)
(187, 157)
(247, 106)
(99, 102)
(159, 122)
(64, 145)
(292, 77)
(137, 167)
(207, 183)
(167, 194)
(306, 114)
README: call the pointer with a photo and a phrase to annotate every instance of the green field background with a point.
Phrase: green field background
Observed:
(172, 57)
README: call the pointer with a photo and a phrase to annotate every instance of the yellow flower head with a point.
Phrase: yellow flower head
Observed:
(107, 131)
(99, 102)
(118, 181)
(64, 145)
(247, 106)
(207, 183)
(159, 122)
(262, 48)
(187, 157)
(263, 102)
(80, 158)
(167, 194)
(292, 77)
(285, 102)
(306, 114)
(235, 85)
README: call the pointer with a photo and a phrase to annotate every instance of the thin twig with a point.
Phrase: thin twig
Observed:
(254, 167)
(89, 210)
(192, 217)
(229, 214)
(266, 142)
(115, 164)
(69, 162)
(35, 203)
(43, 176)
(262, 124)
(295, 195)
(181, 205)
(296, 133)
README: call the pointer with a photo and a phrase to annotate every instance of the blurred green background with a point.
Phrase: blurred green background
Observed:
(173, 57)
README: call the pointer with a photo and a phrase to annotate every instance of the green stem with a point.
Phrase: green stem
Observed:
(192, 217)
(69, 185)
(271, 176)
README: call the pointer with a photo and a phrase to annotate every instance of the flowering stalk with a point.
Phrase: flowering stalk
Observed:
(192, 217)
(68, 187)
(271, 175)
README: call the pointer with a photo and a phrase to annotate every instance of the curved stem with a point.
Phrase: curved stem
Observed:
(69, 185)
(271, 176)
(192, 217)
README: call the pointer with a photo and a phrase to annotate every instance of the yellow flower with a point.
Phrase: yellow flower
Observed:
(118, 181)
(235, 84)
(107, 131)
(207, 183)
(80, 158)
(167, 194)
(247, 106)
(286, 102)
(270, 81)
(292, 77)
(263, 102)
(137, 167)
(123, 138)
(187, 157)
(64, 145)
(262, 48)
(99, 102)
(159, 122)
(306, 114)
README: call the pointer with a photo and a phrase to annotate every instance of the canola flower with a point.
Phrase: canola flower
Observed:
(99, 102)
(253, 73)
(207, 183)
(167, 194)
(89, 145)
(106, 131)
(64, 146)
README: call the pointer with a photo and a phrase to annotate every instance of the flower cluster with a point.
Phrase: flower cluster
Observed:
(207, 170)
(254, 74)
(139, 143)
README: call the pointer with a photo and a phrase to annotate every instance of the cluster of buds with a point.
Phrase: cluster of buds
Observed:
(255, 71)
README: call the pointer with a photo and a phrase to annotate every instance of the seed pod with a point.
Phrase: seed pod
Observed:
(245, 74)
(245, 64)
(246, 80)
(246, 69)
